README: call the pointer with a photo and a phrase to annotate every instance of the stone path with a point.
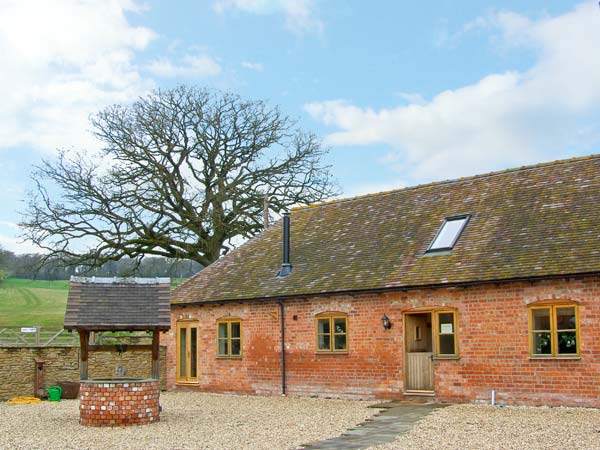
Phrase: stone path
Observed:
(395, 419)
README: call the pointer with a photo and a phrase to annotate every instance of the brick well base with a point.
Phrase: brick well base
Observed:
(114, 403)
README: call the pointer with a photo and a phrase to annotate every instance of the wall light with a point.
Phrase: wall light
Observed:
(386, 322)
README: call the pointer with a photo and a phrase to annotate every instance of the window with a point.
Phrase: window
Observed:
(445, 334)
(332, 333)
(449, 233)
(554, 330)
(229, 338)
(187, 352)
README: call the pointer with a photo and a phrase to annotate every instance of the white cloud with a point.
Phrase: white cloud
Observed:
(411, 97)
(299, 14)
(443, 38)
(505, 118)
(9, 240)
(191, 66)
(61, 61)
(258, 67)
(8, 224)
(18, 246)
(372, 188)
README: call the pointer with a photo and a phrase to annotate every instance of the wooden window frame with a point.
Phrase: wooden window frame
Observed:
(554, 331)
(187, 324)
(436, 334)
(332, 317)
(229, 321)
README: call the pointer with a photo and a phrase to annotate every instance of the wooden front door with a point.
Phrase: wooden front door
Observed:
(187, 352)
(418, 361)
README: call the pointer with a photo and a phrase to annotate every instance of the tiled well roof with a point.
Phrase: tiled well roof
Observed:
(530, 222)
(104, 304)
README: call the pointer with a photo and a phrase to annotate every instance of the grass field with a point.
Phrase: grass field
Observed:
(35, 302)
(32, 302)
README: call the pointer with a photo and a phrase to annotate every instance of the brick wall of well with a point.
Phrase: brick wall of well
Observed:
(119, 404)
(492, 338)
(17, 367)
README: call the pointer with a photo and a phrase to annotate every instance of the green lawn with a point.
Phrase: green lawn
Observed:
(36, 302)
(32, 302)
(60, 285)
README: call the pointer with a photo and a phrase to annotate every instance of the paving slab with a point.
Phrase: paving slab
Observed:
(394, 418)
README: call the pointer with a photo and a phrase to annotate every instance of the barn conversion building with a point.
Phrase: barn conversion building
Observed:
(450, 289)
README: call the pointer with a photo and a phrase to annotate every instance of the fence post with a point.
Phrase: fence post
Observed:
(37, 335)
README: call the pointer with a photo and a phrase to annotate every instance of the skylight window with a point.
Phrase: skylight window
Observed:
(448, 233)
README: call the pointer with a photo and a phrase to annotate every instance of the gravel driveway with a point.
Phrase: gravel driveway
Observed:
(212, 421)
(188, 421)
(467, 427)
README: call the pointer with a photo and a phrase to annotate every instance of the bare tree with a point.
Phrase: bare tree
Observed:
(183, 174)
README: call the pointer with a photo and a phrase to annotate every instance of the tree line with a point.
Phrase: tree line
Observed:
(36, 266)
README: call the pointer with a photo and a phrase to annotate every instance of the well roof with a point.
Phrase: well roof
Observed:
(530, 222)
(104, 304)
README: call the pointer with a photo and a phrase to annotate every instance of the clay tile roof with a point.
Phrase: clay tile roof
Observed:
(529, 222)
(104, 304)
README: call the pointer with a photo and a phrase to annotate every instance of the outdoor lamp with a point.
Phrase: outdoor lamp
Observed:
(386, 322)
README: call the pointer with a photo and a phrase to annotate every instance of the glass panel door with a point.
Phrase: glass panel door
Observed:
(182, 353)
(187, 352)
(194, 353)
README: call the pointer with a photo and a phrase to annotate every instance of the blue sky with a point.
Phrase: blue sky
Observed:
(402, 92)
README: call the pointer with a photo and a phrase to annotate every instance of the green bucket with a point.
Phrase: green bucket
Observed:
(54, 393)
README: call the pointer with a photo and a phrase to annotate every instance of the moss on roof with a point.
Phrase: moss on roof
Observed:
(533, 221)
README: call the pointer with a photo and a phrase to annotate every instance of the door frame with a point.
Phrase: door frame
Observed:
(405, 351)
(435, 311)
(188, 325)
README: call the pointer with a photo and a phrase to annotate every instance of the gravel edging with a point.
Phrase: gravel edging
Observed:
(188, 421)
(468, 427)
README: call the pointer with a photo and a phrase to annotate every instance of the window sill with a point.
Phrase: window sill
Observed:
(323, 352)
(555, 358)
(229, 357)
(449, 358)
(186, 383)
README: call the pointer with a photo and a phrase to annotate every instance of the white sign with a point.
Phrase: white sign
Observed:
(446, 328)
(28, 329)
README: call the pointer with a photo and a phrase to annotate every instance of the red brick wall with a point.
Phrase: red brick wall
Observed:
(492, 339)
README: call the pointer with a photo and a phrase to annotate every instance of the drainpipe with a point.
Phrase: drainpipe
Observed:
(281, 314)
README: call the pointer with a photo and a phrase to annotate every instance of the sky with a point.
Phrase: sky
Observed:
(401, 92)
